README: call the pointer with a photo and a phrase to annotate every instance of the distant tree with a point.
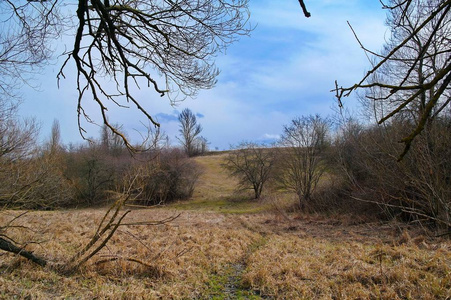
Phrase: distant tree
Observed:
(251, 164)
(17, 137)
(54, 145)
(189, 131)
(201, 145)
(302, 144)
(112, 143)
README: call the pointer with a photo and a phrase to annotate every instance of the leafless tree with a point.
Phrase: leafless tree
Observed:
(110, 142)
(168, 45)
(251, 164)
(154, 140)
(17, 137)
(189, 131)
(302, 144)
(26, 31)
(126, 40)
(201, 144)
(413, 73)
(55, 145)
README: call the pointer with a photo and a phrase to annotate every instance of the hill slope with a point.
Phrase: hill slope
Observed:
(217, 191)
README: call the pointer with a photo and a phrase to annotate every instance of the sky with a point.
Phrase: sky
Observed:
(285, 69)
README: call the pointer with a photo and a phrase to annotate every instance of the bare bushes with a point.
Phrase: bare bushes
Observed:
(92, 172)
(157, 177)
(34, 183)
(414, 189)
(54, 176)
(31, 177)
(162, 177)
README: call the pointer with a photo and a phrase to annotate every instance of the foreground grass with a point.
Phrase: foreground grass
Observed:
(216, 256)
(226, 247)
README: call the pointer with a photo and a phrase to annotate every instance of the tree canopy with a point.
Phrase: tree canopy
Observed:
(168, 45)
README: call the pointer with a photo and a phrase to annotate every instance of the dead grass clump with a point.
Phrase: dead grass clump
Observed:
(168, 261)
(289, 267)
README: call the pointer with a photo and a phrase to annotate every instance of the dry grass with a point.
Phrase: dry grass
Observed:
(215, 255)
(216, 191)
(297, 258)
(181, 256)
(307, 267)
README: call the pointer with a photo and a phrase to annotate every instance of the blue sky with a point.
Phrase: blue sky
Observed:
(285, 69)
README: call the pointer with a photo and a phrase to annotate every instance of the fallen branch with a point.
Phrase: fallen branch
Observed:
(10, 247)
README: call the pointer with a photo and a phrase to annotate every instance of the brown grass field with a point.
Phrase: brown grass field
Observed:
(226, 247)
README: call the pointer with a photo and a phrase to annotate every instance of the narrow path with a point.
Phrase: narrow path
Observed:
(228, 285)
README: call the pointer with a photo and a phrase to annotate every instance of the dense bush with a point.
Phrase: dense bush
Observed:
(92, 172)
(417, 188)
(34, 183)
(162, 177)
(53, 176)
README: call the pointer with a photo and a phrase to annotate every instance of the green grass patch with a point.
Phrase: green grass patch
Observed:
(227, 285)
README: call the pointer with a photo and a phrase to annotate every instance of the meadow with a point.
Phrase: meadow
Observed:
(225, 246)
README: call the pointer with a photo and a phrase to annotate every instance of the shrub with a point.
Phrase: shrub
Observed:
(165, 176)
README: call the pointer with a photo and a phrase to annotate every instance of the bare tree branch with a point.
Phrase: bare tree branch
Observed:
(413, 74)
(134, 43)
(304, 9)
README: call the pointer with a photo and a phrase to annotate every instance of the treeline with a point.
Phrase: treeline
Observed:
(53, 175)
(352, 167)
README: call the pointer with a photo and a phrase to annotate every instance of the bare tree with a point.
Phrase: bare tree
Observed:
(168, 45)
(251, 164)
(201, 145)
(111, 142)
(413, 73)
(154, 140)
(126, 40)
(17, 137)
(303, 142)
(189, 131)
(26, 31)
(55, 145)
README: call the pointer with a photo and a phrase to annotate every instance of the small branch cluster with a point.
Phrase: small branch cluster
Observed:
(110, 223)
(413, 73)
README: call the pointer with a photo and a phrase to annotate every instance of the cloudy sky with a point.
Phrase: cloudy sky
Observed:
(285, 69)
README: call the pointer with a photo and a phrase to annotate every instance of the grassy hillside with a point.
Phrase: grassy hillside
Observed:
(225, 247)
(217, 191)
